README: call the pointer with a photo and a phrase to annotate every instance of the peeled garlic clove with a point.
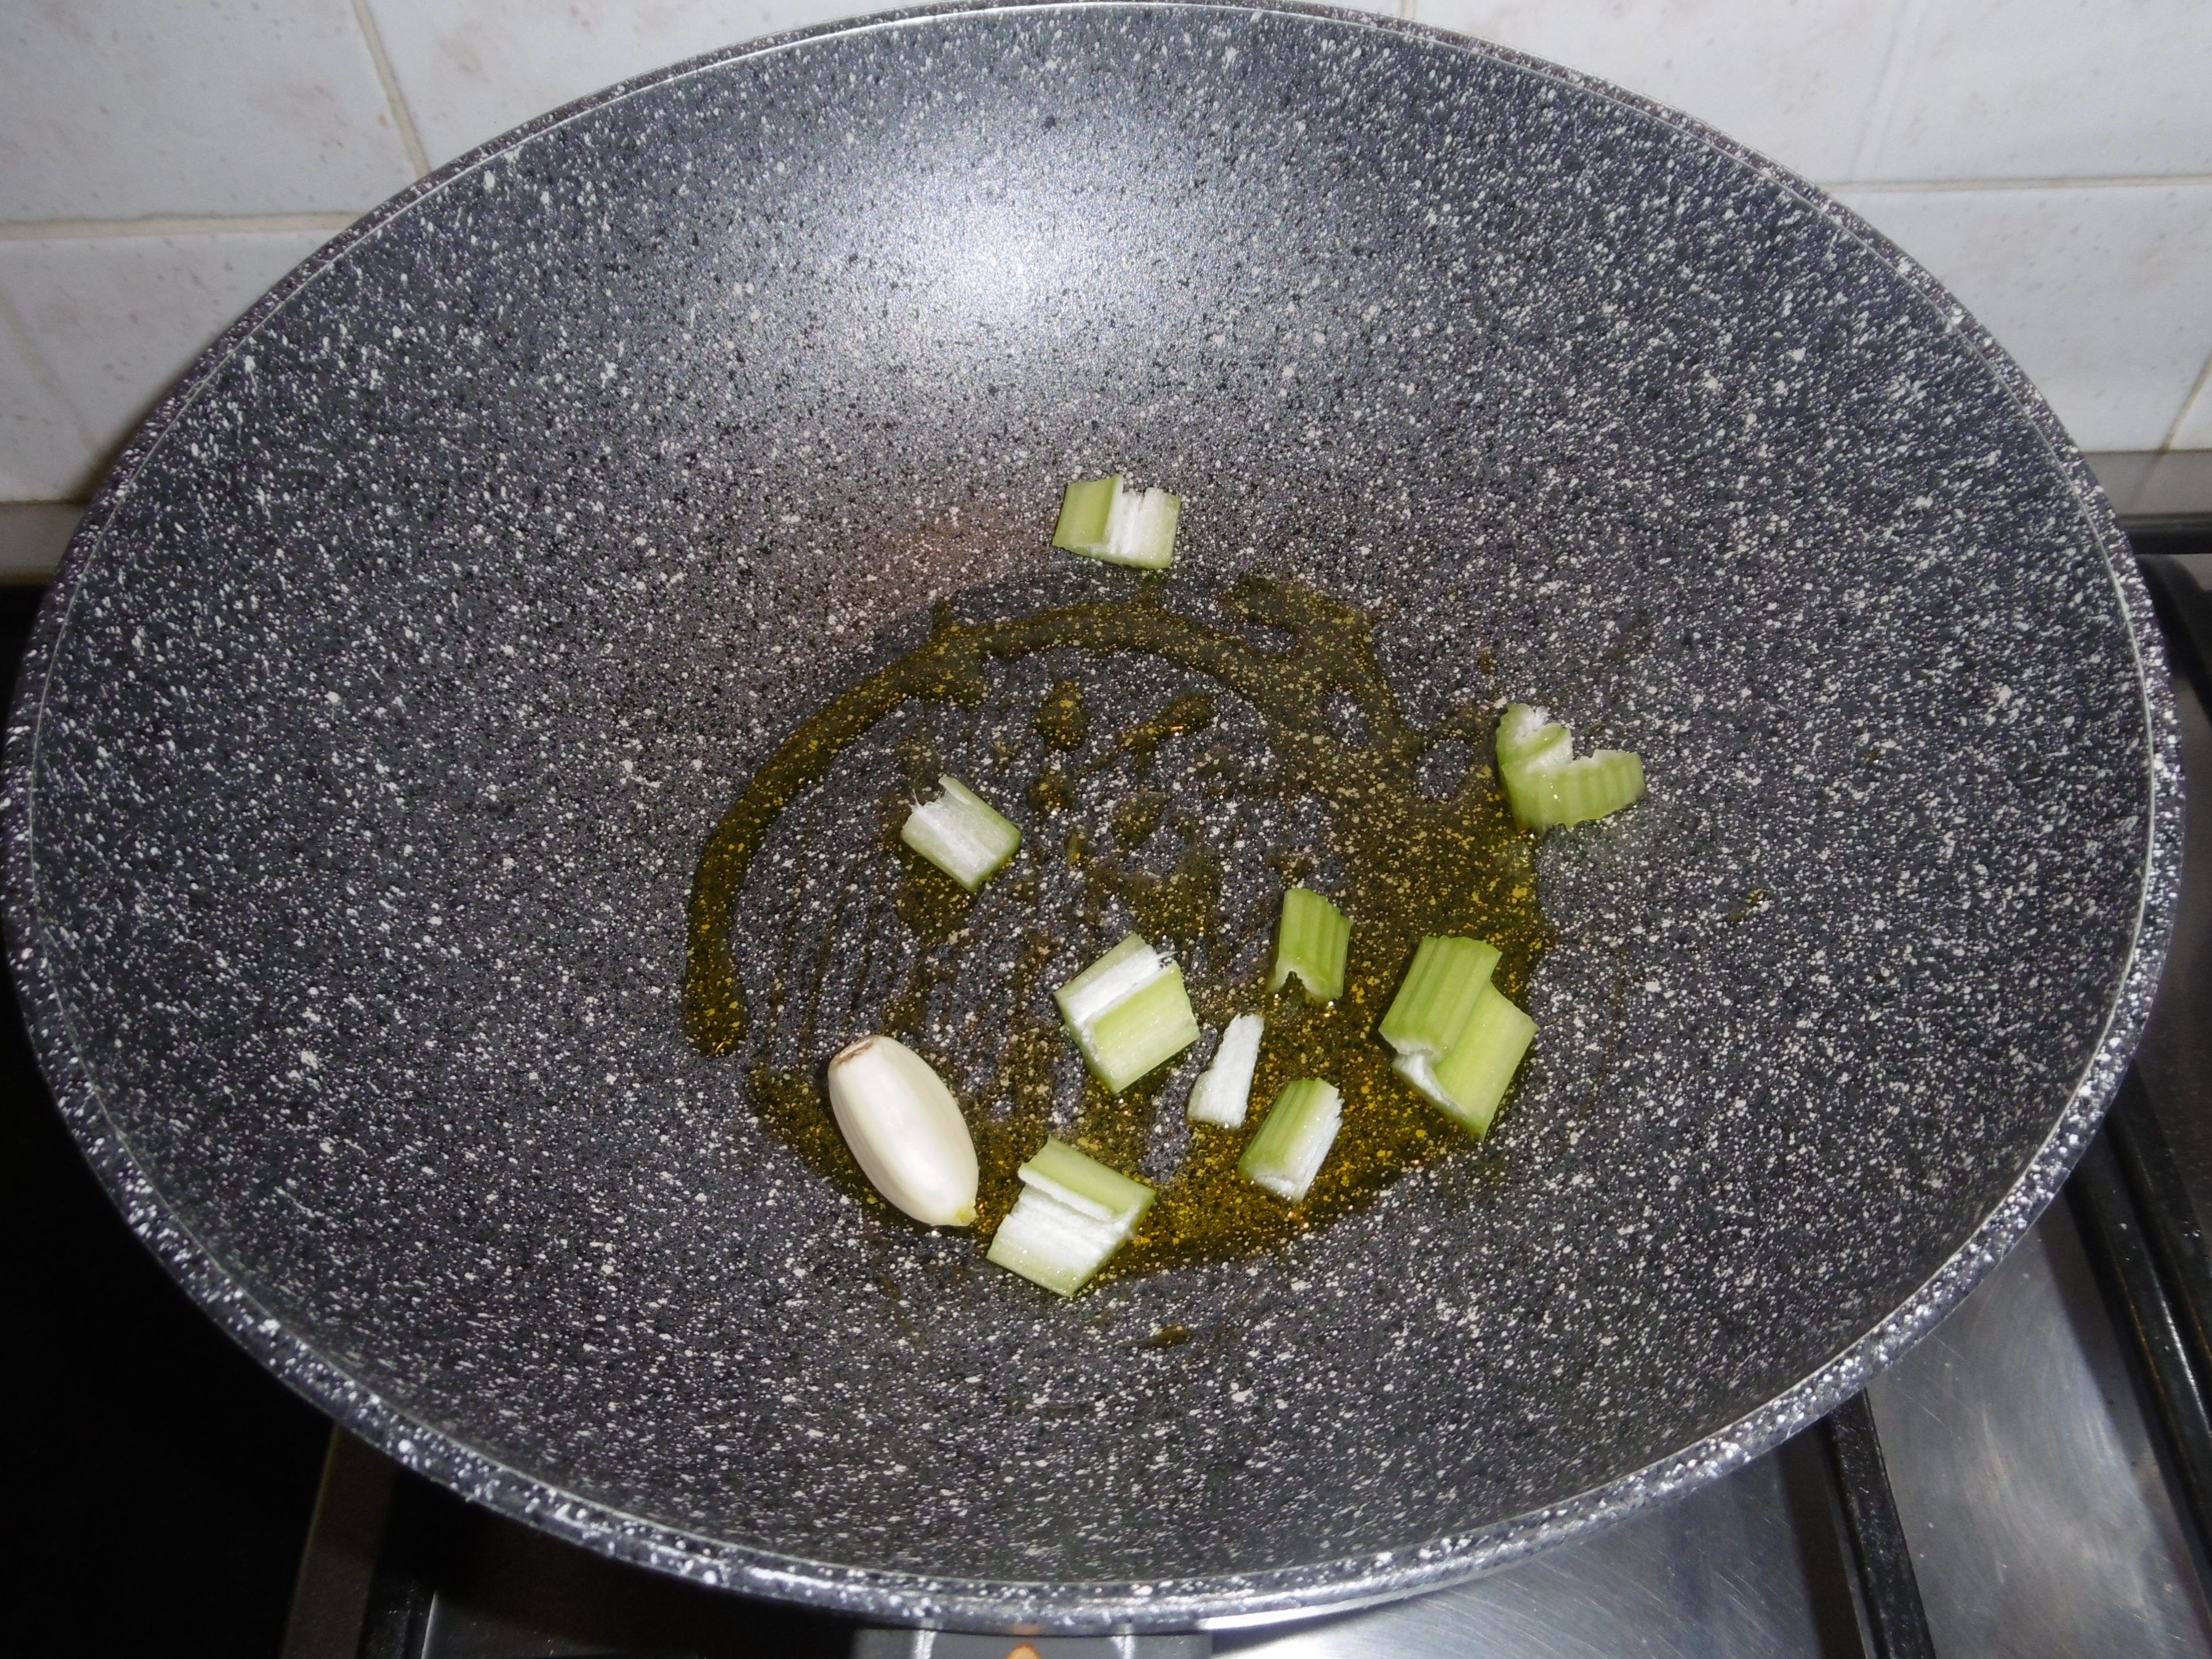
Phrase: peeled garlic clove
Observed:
(905, 1129)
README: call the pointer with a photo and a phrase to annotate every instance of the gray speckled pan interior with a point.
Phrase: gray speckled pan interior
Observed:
(412, 650)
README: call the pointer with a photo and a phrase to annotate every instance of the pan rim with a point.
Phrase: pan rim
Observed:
(1208, 1601)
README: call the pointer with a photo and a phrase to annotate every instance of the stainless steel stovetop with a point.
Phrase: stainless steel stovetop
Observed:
(2031, 1480)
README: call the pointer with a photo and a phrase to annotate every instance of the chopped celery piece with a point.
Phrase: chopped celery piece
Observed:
(1102, 519)
(1127, 1012)
(1437, 994)
(1143, 1030)
(1052, 1244)
(1287, 1153)
(961, 834)
(1072, 1214)
(1224, 1089)
(1420, 1071)
(1547, 785)
(1084, 1183)
(1311, 942)
(1601, 782)
(1467, 1082)
(1143, 530)
(1530, 738)
(1128, 966)
(1531, 750)
(1085, 512)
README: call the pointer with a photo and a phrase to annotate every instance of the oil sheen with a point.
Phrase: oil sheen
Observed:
(1413, 861)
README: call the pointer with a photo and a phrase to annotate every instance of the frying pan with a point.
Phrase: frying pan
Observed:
(413, 651)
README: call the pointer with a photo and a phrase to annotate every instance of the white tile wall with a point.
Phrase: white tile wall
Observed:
(2103, 293)
(2056, 89)
(42, 446)
(162, 160)
(114, 109)
(115, 318)
(1794, 78)
(34, 535)
(472, 69)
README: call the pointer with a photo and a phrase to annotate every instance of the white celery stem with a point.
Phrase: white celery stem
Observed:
(1224, 1093)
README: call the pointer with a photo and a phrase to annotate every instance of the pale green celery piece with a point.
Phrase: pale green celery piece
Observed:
(961, 834)
(1058, 1243)
(1127, 1012)
(1049, 1243)
(1474, 1077)
(1086, 512)
(1547, 785)
(1144, 1029)
(1144, 528)
(1287, 1153)
(1602, 781)
(1535, 798)
(1128, 966)
(1419, 1070)
(1311, 942)
(1082, 1182)
(1530, 737)
(1531, 749)
(1437, 994)
(1104, 519)
(1224, 1090)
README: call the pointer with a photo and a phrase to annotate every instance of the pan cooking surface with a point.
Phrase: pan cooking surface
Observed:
(411, 654)
(1184, 755)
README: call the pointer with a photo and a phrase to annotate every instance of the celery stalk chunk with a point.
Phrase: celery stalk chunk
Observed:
(1530, 737)
(1224, 1090)
(1050, 1244)
(1287, 1153)
(1073, 1213)
(961, 834)
(1104, 519)
(1531, 749)
(1437, 994)
(1128, 966)
(1311, 941)
(1086, 510)
(1602, 782)
(1142, 529)
(1128, 1012)
(1144, 1030)
(1083, 1184)
(1467, 1083)
(1548, 786)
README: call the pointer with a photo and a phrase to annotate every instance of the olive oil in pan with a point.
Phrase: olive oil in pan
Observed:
(1334, 735)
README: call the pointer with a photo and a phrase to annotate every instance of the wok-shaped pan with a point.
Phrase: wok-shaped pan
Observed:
(415, 649)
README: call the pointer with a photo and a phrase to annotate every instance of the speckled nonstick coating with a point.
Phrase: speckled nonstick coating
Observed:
(414, 645)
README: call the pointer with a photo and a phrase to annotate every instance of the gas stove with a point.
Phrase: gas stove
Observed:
(2034, 1478)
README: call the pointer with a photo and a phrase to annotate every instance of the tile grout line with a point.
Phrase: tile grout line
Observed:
(42, 230)
(185, 224)
(1896, 64)
(2109, 181)
(403, 119)
(2202, 390)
